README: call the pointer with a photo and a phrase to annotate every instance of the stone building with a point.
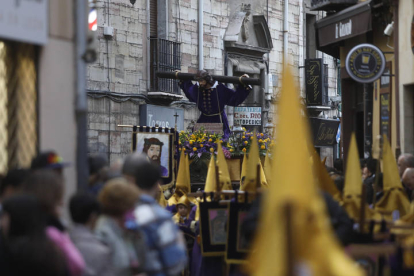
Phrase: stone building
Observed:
(236, 36)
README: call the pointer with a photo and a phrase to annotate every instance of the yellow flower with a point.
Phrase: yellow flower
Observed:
(251, 137)
(244, 137)
(210, 140)
(263, 147)
(182, 131)
(260, 141)
(231, 150)
(191, 142)
(245, 142)
(221, 141)
(201, 146)
(261, 134)
(193, 136)
(183, 149)
(179, 142)
(244, 149)
(194, 149)
(211, 149)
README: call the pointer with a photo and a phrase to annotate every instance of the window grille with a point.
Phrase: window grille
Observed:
(165, 56)
(18, 105)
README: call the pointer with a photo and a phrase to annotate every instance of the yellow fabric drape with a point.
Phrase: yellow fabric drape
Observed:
(322, 177)
(161, 198)
(224, 175)
(267, 167)
(183, 180)
(250, 182)
(313, 244)
(351, 200)
(394, 195)
(183, 185)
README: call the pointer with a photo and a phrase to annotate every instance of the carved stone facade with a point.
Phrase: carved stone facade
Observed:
(238, 37)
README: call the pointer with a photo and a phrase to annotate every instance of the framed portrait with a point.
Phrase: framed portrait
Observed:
(237, 247)
(157, 144)
(213, 228)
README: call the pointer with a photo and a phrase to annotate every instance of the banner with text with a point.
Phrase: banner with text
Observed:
(248, 116)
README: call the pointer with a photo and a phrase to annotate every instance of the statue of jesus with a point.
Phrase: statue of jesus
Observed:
(211, 97)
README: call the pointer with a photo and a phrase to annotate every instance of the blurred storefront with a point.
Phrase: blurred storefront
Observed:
(38, 83)
(370, 102)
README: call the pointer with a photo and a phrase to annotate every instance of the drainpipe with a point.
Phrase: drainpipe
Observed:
(285, 31)
(81, 110)
(148, 47)
(200, 35)
(397, 71)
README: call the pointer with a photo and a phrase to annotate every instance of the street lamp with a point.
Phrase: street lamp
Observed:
(238, 133)
(190, 126)
(269, 127)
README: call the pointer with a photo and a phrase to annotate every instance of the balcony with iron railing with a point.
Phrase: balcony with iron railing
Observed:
(165, 56)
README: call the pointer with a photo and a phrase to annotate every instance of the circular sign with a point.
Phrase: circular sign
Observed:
(365, 63)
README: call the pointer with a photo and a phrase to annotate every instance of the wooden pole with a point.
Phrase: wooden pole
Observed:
(290, 261)
(218, 186)
(258, 184)
(224, 192)
(223, 79)
(362, 210)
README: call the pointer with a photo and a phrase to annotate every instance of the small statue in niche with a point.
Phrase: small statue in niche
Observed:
(245, 25)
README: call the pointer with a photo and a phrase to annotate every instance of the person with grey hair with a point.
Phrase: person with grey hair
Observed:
(406, 160)
(131, 163)
(408, 181)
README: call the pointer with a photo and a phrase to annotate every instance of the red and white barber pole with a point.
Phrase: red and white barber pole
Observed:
(93, 20)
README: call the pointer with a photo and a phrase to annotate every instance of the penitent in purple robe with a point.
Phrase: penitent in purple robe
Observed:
(211, 102)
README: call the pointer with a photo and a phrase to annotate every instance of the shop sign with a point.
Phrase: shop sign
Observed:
(313, 79)
(351, 22)
(24, 20)
(324, 132)
(385, 114)
(152, 115)
(365, 63)
(248, 116)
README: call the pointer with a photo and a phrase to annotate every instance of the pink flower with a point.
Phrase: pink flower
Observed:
(227, 153)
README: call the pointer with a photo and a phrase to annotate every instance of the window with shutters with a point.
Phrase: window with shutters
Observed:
(18, 105)
(165, 55)
(153, 18)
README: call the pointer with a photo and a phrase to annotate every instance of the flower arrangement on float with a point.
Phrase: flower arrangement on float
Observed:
(203, 144)
(199, 143)
(240, 145)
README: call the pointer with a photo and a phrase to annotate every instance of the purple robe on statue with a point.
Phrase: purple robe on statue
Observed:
(211, 102)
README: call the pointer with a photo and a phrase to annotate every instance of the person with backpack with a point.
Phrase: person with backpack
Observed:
(117, 199)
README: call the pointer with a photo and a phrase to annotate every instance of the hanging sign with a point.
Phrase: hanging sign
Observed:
(324, 132)
(385, 114)
(313, 80)
(365, 63)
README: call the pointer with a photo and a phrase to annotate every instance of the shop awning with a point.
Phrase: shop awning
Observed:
(348, 23)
